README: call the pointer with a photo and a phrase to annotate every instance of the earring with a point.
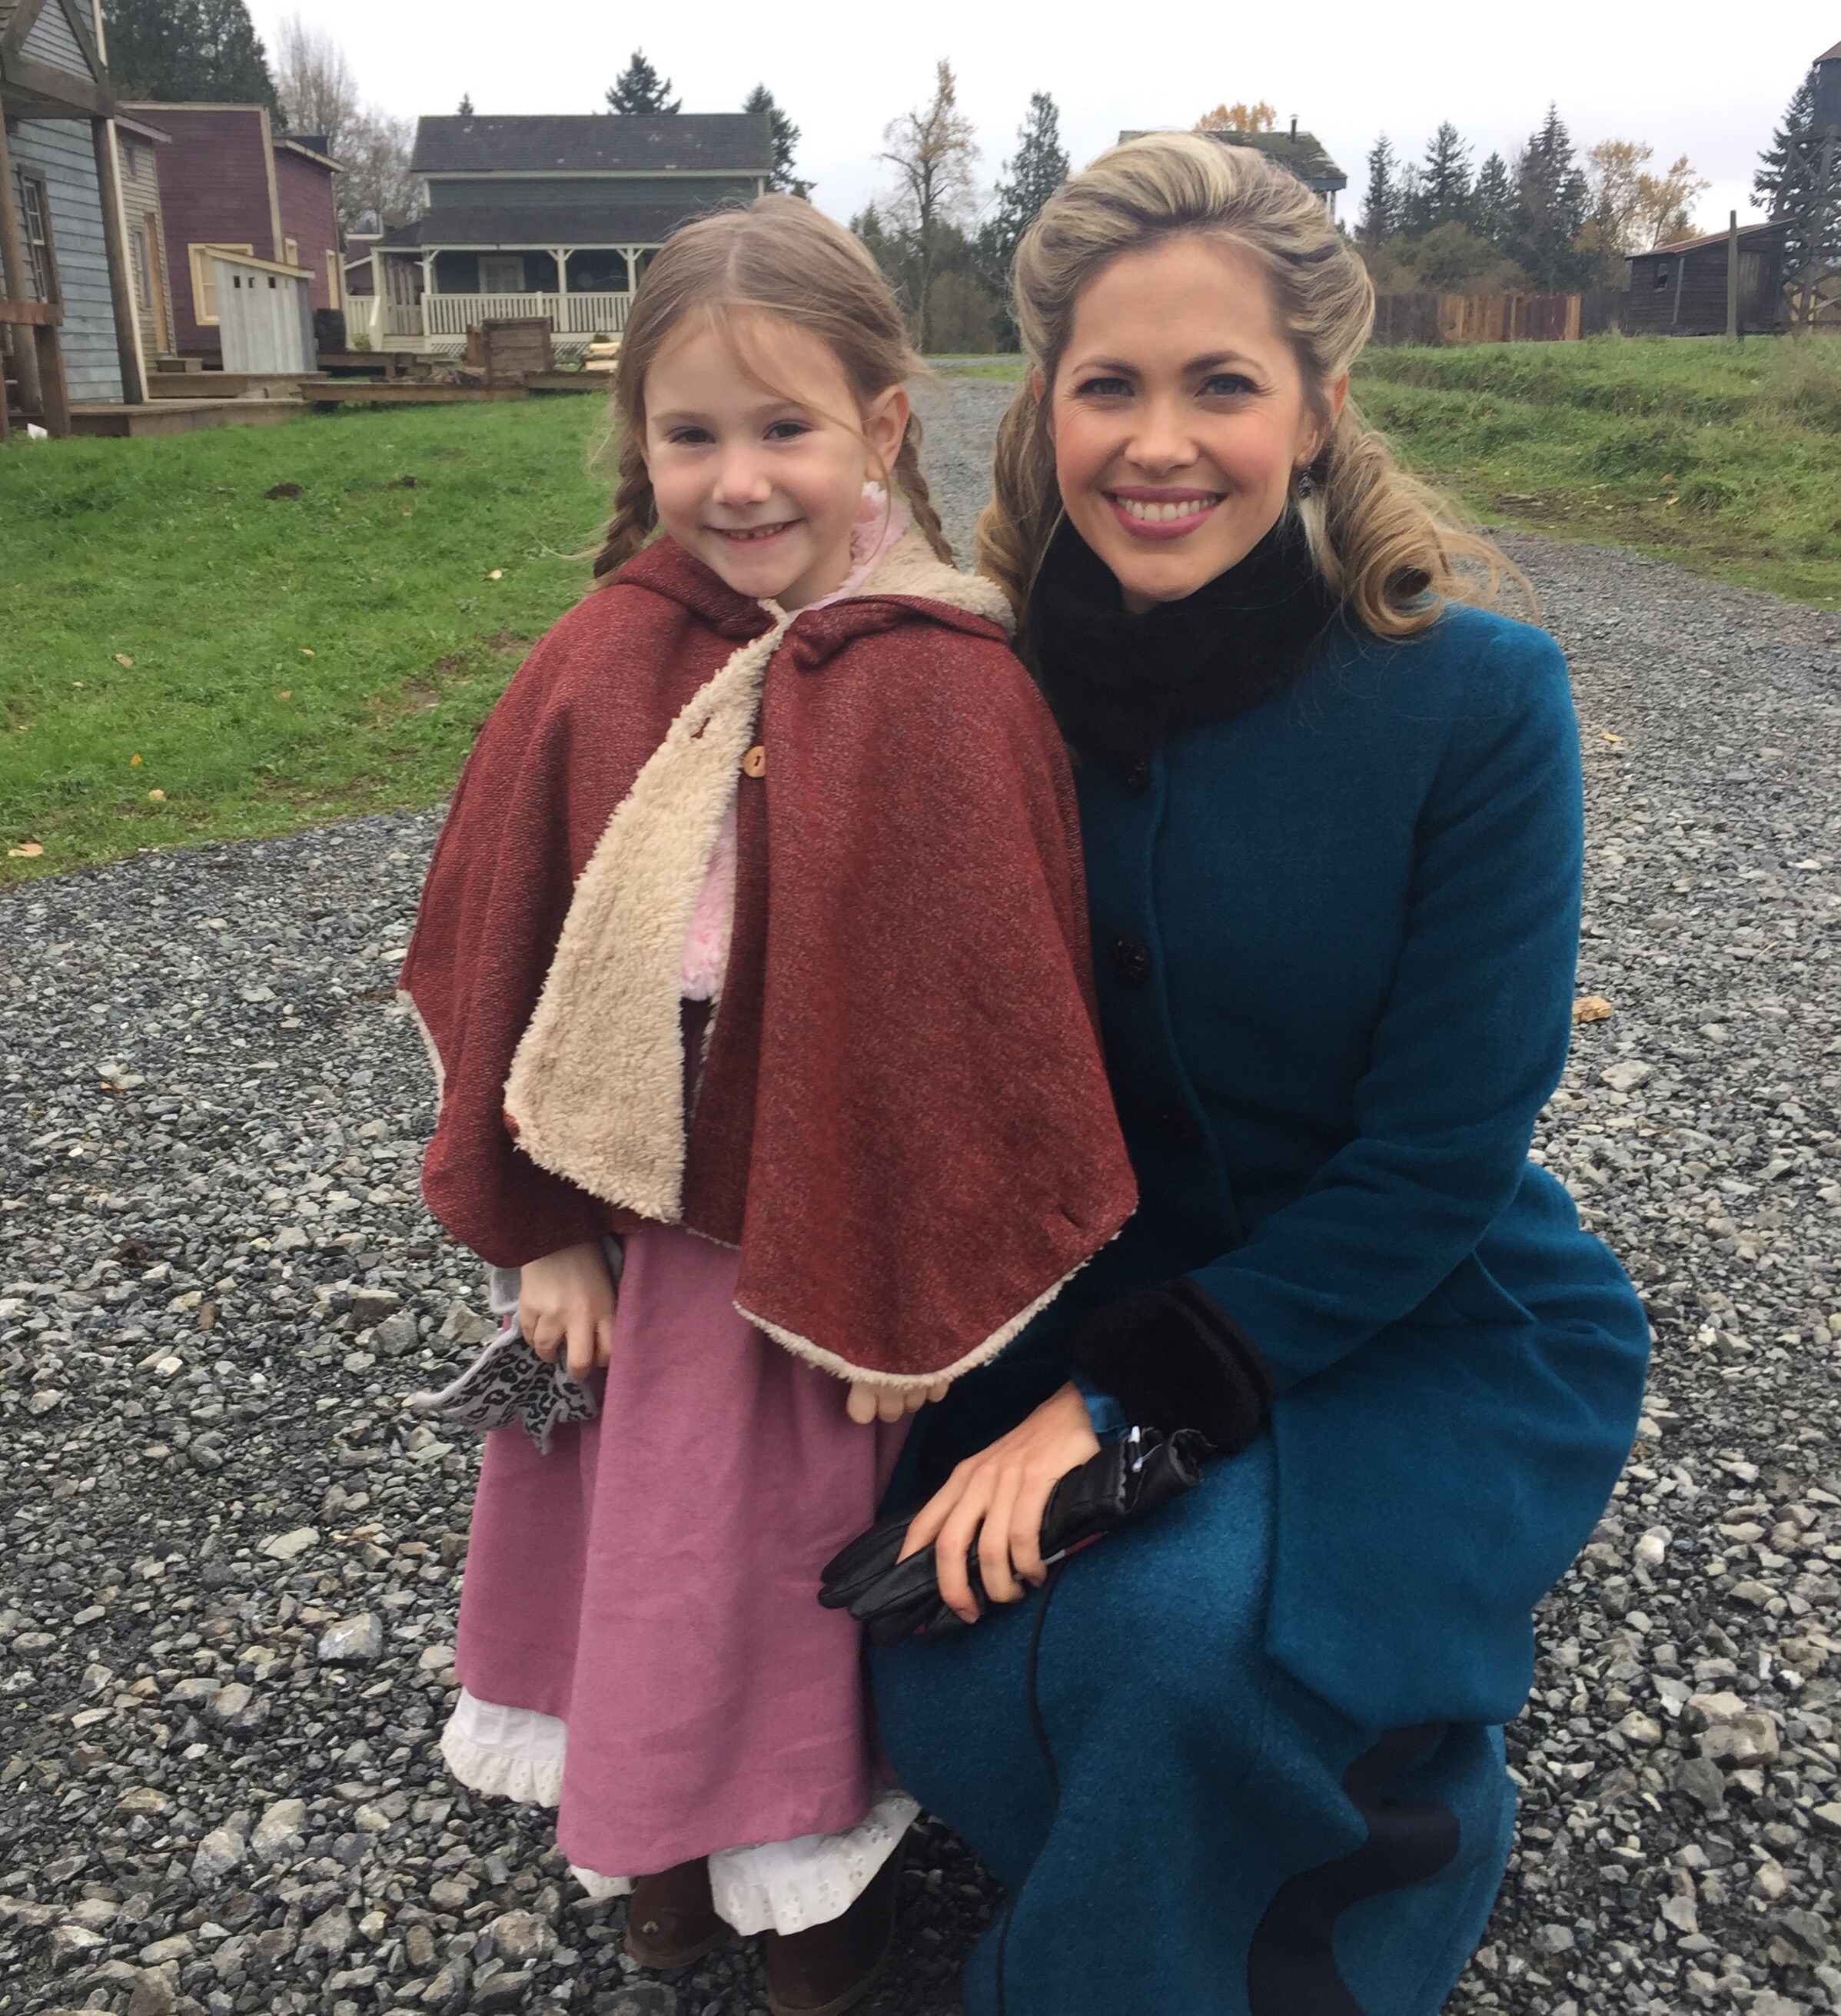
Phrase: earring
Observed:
(1303, 486)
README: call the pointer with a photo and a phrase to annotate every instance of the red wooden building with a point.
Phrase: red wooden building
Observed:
(229, 183)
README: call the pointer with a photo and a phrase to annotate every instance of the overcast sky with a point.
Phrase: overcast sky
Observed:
(1709, 82)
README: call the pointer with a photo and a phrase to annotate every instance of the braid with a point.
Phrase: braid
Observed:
(635, 511)
(906, 478)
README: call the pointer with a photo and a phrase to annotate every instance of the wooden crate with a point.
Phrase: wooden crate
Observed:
(511, 349)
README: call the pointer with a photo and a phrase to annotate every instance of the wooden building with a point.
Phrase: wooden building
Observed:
(67, 289)
(1680, 289)
(1303, 153)
(552, 217)
(146, 226)
(232, 188)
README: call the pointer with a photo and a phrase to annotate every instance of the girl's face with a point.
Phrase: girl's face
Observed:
(1179, 416)
(762, 484)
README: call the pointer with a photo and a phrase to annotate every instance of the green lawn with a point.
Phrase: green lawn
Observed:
(185, 658)
(274, 662)
(1725, 457)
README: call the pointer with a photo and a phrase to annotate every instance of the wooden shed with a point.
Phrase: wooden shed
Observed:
(1680, 289)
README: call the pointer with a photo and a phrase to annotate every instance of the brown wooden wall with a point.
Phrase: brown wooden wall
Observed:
(1683, 294)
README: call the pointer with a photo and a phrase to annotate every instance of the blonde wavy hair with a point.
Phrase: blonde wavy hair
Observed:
(779, 258)
(1391, 549)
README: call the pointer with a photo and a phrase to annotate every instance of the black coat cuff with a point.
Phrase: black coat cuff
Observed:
(1173, 1358)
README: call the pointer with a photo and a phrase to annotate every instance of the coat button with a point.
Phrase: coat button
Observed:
(1131, 960)
(755, 763)
(1137, 776)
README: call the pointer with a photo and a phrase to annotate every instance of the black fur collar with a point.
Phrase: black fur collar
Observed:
(1121, 686)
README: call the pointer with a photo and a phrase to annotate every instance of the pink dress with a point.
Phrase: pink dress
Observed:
(640, 1639)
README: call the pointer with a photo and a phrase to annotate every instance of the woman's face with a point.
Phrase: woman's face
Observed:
(1179, 416)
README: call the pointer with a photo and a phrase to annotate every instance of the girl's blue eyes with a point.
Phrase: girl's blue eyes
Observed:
(781, 431)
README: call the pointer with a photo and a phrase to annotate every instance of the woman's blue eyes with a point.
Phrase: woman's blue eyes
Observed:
(1223, 385)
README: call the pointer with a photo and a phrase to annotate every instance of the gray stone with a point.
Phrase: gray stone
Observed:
(328, 1937)
(70, 1945)
(279, 1830)
(290, 1546)
(152, 1995)
(1554, 1939)
(219, 1852)
(352, 1641)
(504, 1991)
(521, 1939)
(1701, 1780)
(641, 1998)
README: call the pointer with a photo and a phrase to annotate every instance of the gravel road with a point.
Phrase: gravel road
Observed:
(228, 1599)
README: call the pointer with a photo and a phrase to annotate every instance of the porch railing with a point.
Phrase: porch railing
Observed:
(569, 315)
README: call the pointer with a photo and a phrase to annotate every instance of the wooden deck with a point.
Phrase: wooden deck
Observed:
(115, 421)
(358, 391)
(570, 381)
(223, 385)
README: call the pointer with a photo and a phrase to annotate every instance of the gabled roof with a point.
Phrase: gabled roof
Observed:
(1746, 231)
(594, 142)
(1303, 153)
(1830, 55)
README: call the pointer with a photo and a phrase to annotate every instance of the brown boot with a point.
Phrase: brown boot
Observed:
(670, 1921)
(829, 1968)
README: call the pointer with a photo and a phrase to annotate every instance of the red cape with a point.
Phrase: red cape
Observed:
(902, 1119)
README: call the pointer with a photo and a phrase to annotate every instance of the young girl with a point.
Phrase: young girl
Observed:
(753, 964)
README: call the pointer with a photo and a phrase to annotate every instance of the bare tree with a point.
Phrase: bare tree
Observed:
(314, 81)
(376, 187)
(934, 152)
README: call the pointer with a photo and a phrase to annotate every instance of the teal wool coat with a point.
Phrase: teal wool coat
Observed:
(1335, 939)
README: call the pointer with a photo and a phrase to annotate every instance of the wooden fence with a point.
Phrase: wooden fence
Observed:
(1444, 319)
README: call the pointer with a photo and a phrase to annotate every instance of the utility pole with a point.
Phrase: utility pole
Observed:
(1732, 327)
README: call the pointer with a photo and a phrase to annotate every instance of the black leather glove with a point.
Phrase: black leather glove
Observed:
(892, 1599)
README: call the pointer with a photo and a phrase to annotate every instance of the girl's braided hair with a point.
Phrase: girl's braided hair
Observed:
(780, 258)
(1389, 547)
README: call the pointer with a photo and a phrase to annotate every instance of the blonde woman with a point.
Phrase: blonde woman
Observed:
(1245, 1758)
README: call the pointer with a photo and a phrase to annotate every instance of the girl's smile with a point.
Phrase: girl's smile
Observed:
(758, 451)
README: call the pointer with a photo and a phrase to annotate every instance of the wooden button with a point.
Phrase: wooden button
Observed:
(755, 763)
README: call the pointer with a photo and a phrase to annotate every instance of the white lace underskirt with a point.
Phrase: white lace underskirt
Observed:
(775, 1886)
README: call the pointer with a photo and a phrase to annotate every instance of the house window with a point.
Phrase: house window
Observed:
(1661, 273)
(501, 272)
(131, 158)
(35, 226)
(204, 283)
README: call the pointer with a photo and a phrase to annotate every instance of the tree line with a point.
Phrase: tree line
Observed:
(1549, 222)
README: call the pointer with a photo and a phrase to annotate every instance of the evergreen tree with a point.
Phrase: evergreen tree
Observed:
(1030, 177)
(1492, 203)
(1552, 202)
(786, 138)
(181, 51)
(1380, 202)
(1789, 179)
(1442, 195)
(1026, 181)
(464, 109)
(639, 89)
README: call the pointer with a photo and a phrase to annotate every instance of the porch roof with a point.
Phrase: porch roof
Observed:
(515, 228)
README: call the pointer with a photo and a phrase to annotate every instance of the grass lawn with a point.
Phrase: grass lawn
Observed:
(185, 658)
(1725, 457)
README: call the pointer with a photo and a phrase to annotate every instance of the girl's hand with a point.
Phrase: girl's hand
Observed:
(997, 1498)
(868, 1403)
(566, 1300)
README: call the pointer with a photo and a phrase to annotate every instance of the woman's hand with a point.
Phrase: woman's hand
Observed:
(997, 1498)
(868, 1403)
(567, 1299)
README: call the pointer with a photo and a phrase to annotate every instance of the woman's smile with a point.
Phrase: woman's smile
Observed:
(1163, 514)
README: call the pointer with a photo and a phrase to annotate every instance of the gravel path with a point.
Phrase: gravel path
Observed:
(227, 1610)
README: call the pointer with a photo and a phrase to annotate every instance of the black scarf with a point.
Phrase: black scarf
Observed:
(1121, 686)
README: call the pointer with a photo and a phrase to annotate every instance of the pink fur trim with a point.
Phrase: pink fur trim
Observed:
(706, 944)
